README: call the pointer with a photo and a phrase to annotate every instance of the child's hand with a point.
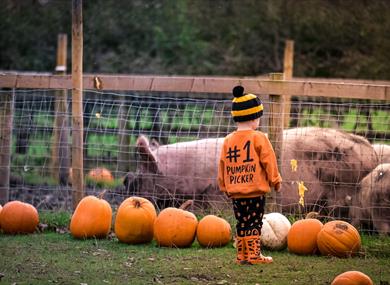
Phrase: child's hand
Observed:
(278, 187)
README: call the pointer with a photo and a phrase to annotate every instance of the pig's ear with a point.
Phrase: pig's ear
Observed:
(148, 159)
(154, 144)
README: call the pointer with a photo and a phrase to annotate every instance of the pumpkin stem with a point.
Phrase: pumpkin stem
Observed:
(186, 204)
(312, 215)
(101, 195)
(137, 203)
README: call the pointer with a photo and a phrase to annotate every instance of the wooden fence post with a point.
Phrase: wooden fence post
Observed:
(77, 103)
(124, 137)
(288, 64)
(60, 161)
(6, 120)
(275, 135)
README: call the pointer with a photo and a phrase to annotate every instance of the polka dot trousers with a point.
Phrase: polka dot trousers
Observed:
(249, 214)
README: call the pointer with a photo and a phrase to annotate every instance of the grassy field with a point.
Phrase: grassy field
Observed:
(54, 258)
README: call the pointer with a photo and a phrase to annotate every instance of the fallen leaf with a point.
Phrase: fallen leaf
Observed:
(155, 279)
(42, 227)
(63, 230)
(128, 264)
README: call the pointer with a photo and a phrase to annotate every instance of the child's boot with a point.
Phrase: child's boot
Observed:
(241, 252)
(252, 246)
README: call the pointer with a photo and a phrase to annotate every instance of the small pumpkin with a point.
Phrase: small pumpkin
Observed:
(352, 278)
(100, 175)
(338, 238)
(302, 237)
(213, 231)
(92, 218)
(18, 218)
(134, 221)
(274, 231)
(175, 227)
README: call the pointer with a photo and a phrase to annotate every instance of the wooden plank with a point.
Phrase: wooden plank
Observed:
(288, 65)
(6, 121)
(77, 103)
(123, 136)
(204, 85)
(8, 80)
(40, 82)
(60, 82)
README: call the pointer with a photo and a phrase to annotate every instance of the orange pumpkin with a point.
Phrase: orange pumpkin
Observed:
(92, 218)
(100, 175)
(18, 217)
(338, 238)
(302, 236)
(213, 231)
(175, 228)
(134, 220)
(352, 278)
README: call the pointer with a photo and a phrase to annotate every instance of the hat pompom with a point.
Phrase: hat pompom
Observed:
(238, 91)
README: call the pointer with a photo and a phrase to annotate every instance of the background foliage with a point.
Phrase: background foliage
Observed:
(345, 39)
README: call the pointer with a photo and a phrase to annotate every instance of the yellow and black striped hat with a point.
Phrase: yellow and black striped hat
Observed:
(245, 107)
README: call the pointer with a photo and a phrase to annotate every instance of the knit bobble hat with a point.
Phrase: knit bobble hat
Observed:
(245, 107)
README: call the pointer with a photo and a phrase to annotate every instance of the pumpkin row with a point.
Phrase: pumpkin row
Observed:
(310, 236)
(137, 222)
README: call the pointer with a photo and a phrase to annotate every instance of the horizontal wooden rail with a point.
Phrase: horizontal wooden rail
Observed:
(199, 85)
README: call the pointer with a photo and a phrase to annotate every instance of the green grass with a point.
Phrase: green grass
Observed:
(189, 119)
(49, 257)
(320, 117)
(54, 220)
(34, 178)
(381, 121)
(43, 119)
(181, 139)
(58, 258)
(102, 145)
(351, 119)
(103, 122)
(103, 184)
(39, 178)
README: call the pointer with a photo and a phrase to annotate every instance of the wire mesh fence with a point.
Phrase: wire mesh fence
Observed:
(165, 147)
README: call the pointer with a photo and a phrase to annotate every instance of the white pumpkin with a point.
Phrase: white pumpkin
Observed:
(274, 231)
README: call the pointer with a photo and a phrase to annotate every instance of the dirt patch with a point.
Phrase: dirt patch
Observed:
(58, 197)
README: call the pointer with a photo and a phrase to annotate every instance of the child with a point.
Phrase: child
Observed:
(247, 169)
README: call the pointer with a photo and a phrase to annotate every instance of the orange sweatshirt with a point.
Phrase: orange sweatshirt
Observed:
(247, 165)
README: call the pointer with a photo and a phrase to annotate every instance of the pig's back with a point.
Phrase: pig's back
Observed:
(195, 158)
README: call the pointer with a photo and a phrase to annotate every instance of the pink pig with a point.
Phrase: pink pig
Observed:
(330, 163)
(176, 172)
